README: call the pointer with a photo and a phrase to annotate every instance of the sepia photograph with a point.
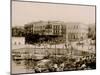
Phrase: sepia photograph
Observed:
(52, 37)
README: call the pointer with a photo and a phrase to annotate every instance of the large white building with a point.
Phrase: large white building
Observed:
(71, 31)
(45, 28)
(76, 31)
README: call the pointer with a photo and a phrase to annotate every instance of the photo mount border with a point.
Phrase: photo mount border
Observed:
(44, 2)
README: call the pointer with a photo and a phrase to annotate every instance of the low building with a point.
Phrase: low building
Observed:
(18, 42)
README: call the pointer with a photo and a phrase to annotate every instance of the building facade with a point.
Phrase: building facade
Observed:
(18, 42)
(76, 31)
(92, 31)
(45, 28)
(67, 31)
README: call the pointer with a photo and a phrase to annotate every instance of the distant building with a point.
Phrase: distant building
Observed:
(63, 31)
(92, 31)
(76, 31)
(45, 28)
(17, 41)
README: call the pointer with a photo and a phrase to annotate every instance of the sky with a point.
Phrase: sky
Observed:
(26, 12)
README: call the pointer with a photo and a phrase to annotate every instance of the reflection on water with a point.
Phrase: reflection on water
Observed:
(23, 66)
